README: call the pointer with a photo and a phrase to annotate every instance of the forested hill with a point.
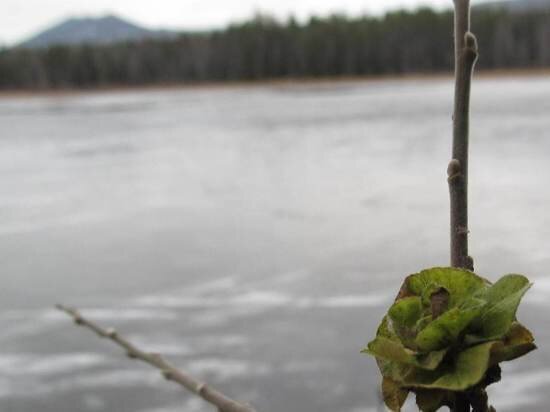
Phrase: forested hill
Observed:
(397, 43)
(101, 30)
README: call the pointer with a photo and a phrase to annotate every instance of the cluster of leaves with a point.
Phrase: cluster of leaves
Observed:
(446, 334)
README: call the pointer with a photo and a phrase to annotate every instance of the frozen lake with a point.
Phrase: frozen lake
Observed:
(255, 235)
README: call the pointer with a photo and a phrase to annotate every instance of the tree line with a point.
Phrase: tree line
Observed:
(264, 48)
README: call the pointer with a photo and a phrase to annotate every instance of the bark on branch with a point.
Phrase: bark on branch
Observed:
(170, 372)
(466, 54)
(465, 57)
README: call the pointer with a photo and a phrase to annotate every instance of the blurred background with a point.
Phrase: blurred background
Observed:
(243, 185)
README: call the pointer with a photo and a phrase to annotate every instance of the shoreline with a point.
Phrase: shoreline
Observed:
(309, 81)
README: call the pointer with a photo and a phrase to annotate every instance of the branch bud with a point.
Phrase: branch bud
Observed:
(439, 301)
(111, 333)
(470, 48)
(454, 169)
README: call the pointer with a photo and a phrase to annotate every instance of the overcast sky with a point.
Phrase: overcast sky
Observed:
(21, 18)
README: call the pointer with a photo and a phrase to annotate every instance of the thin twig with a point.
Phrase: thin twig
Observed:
(466, 54)
(170, 373)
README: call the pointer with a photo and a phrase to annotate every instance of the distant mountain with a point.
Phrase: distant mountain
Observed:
(517, 5)
(101, 30)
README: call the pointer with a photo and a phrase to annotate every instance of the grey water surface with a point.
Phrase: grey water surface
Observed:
(255, 235)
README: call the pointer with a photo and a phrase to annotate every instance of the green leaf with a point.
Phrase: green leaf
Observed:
(518, 342)
(445, 330)
(388, 368)
(384, 330)
(391, 350)
(393, 370)
(506, 286)
(406, 312)
(503, 299)
(394, 395)
(460, 283)
(466, 371)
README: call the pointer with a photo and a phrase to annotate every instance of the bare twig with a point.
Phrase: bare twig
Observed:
(466, 54)
(465, 57)
(170, 373)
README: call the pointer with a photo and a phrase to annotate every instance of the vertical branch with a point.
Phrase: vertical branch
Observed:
(465, 58)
